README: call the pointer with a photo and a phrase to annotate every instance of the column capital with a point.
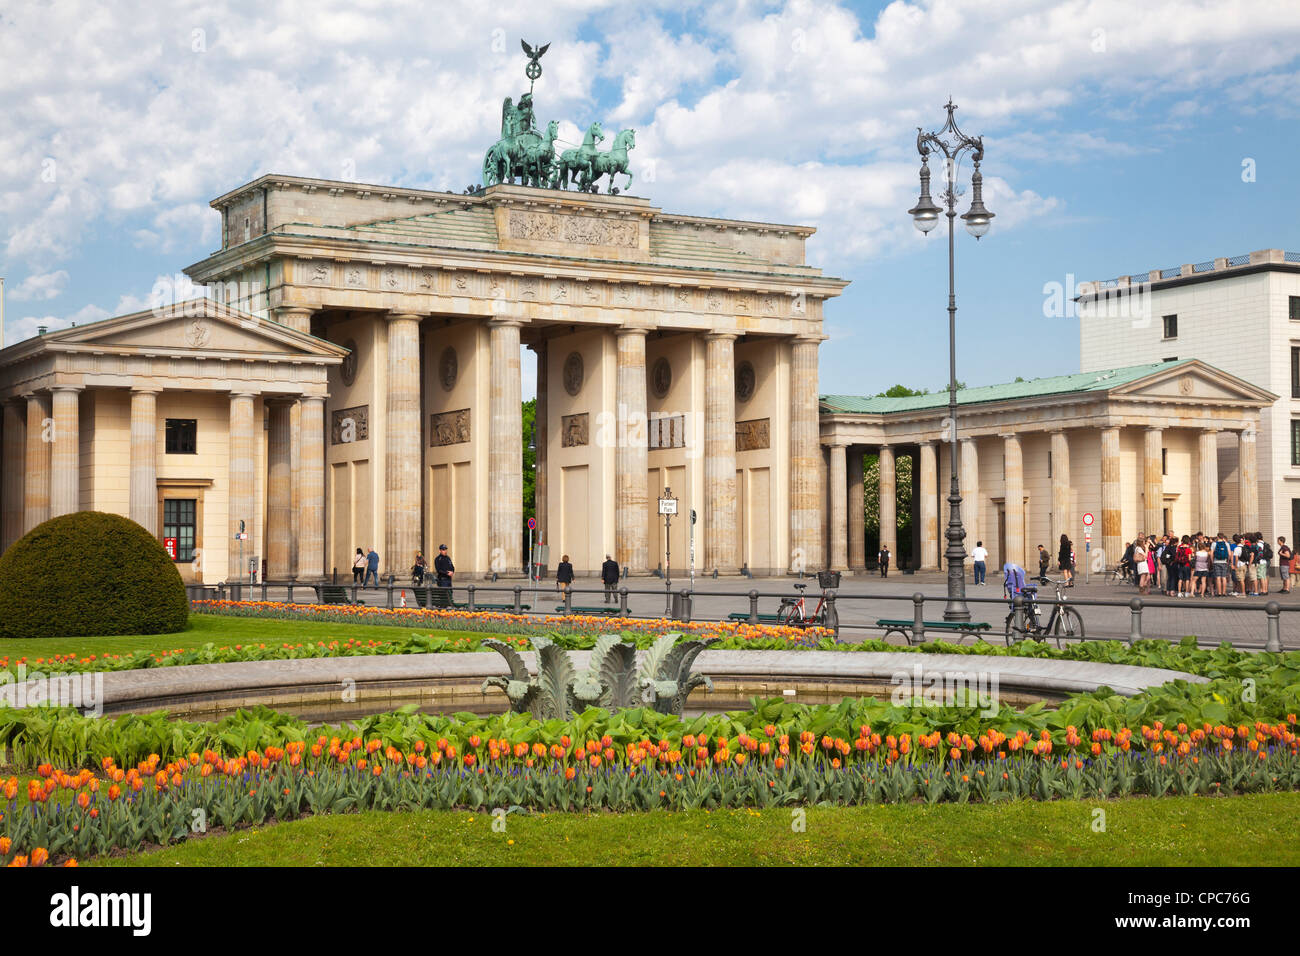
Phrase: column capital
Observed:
(398, 316)
(1211, 430)
(286, 314)
(809, 338)
(721, 336)
(505, 322)
(146, 389)
(312, 398)
(281, 401)
(244, 393)
(837, 443)
(67, 388)
(632, 330)
(1154, 428)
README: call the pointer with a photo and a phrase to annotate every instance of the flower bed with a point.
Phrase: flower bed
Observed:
(155, 802)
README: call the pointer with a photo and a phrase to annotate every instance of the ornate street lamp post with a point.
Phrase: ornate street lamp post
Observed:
(952, 143)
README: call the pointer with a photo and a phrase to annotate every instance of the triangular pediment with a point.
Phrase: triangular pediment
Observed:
(200, 326)
(1194, 381)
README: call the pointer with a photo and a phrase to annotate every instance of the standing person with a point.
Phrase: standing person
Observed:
(419, 569)
(1238, 566)
(979, 561)
(883, 560)
(1183, 559)
(1167, 555)
(1263, 560)
(443, 568)
(1202, 569)
(1044, 559)
(1249, 557)
(358, 567)
(1284, 557)
(609, 577)
(1064, 560)
(1221, 555)
(564, 575)
(1142, 569)
(372, 567)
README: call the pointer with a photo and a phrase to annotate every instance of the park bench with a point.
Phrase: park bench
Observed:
(607, 610)
(762, 618)
(334, 594)
(441, 598)
(960, 628)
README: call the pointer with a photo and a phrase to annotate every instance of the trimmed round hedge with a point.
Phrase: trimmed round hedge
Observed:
(89, 573)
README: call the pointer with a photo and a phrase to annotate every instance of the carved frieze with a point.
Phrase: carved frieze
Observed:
(573, 430)
(449, 428)
(349, 425)
(753, 435)
(587, 230)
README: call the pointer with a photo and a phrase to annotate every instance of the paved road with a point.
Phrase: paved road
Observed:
(864, 599)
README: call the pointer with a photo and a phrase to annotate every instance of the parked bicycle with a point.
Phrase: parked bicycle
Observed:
(1064, 622)
(794, 610)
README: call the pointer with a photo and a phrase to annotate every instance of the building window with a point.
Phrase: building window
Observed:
(1295, 441)
(1293, 307)
(182, 434)
(178, 523)
(1295, 372)
(1170, 326)
(1164, 461)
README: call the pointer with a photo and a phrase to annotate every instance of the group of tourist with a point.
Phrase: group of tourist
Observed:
(365, 568)
(1198, 565)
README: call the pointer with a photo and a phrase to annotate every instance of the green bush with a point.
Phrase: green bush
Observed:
(89, 573)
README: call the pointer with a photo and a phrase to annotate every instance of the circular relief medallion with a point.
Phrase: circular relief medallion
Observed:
(661, 378)
(744, 382)
(349, 367)
(573, 373)
(448, 368)
(1186, 385)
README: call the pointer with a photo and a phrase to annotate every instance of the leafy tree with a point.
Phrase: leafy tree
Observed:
(903, 506)
(530, 460)
(900, 391)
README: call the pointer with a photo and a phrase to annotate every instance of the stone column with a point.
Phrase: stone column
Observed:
(311, 486)
(1207, 447)
(837, 483)
(540, 487)
(1111, 503)
(505, 450)
(632, 456)
(11, 475)
(65, 451)
(243, 484)
(888, 500)
(295, 317)
(929, 506)
(279, 496)
(1153, 483)
(857, 511)
(402, 520)
(1014, 499)
(1247, 479)
(144, 458)
(1062, 520)
(806, 492)
(970, 492)
(36, 473)
(721, 549)
(295, 485)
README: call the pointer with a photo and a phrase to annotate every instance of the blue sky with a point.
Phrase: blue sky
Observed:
(1115, 139)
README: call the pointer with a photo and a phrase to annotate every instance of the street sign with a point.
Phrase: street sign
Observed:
(532, 524)
(1087, 520)
(170, 545)
(668, 506)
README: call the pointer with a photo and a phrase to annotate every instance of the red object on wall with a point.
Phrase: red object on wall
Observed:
(170, 545)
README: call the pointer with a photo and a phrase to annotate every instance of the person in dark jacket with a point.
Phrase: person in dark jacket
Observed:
(609, 576)
(883, 560)
(1065, 560)
(564, 575)
(443, 567)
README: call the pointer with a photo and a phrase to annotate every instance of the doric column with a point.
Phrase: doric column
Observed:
(1153, 482)
(970, 492)
(888, 502)
(11, 474)
(295, 485)
(631, 456)
(1207, 447)
(929, 506)
(1111, 503)
(144, 458)
(721, 549)
(837, 483)
(311, 490)
(1014, 499)
(505, 449)
(806, 492)
(540, 485)
(402, 520)
(279, 495)
(65, 451)
(857, 511)
(243, 484)
(295, 317)
(1247, 479)
(36, 473)
(1062, 520)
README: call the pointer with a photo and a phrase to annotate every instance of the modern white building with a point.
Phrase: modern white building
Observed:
(1239, 314)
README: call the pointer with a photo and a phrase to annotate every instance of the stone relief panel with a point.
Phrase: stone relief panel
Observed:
(587, 230)
(661, 377)
(348, 370)
(573, 430)
(745, 382)
(348, 425)
(753, 435)
(449, 428)
(573, 374)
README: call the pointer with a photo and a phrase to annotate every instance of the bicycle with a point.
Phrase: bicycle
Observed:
(1064, 622)
(794, 611)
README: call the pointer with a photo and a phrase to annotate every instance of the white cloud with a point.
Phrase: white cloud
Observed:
(39, 286)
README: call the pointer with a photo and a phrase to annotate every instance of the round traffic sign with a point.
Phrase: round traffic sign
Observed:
(1087, 520)
(532, 524)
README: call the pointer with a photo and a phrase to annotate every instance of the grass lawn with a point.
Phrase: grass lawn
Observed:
(1172, 831)
(218, 629)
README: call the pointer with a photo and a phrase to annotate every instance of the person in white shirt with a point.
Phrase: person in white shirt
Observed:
(980, 556)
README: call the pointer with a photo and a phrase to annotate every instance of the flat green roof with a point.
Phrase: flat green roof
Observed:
(1099, 381)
